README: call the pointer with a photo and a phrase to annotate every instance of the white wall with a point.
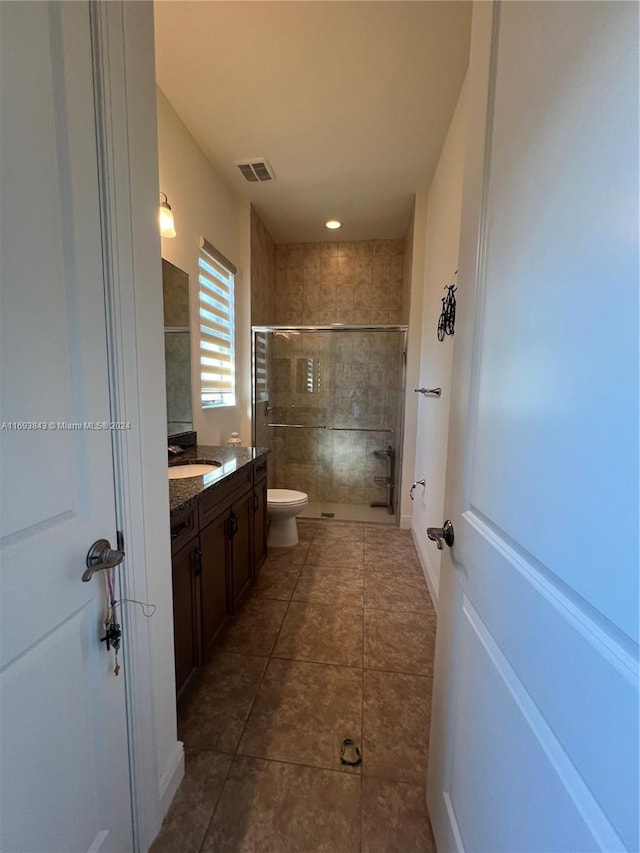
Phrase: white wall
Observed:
(412, 314)
(203, 205)
(436, 257)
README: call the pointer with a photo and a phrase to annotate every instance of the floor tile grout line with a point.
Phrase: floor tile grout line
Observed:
(215, 807)
(308, 766)
(235, 753)
(253, 701)
(349, 774)
(362, 668)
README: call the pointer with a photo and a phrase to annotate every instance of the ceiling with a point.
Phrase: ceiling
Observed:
(349, 102)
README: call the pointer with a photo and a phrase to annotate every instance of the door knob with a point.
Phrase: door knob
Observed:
(440, 534)
(101, 556)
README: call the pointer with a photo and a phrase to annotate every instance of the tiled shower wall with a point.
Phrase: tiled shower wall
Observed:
(356, 283)
(351, 381)
(360, 374)
(263, 273)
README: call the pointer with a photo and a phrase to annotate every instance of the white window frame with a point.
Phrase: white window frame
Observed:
(216, 326)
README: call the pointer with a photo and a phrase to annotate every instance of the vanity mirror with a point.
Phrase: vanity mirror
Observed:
(177, 348)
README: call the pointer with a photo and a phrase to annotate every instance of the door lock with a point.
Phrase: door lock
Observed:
(441, 534)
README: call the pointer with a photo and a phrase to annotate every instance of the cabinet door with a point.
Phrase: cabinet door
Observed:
(259, 523)
(185, 566)
(241, 527)
(214, 598)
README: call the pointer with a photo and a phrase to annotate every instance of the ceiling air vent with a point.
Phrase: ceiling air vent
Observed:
(257, 169)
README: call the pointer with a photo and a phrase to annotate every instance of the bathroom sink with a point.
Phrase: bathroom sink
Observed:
(179, 472)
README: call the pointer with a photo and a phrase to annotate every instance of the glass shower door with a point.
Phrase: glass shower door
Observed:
(328, 404)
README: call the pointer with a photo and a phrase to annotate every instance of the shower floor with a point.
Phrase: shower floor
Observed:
(348, 512)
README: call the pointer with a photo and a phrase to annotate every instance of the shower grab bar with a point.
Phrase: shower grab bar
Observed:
(333, 429)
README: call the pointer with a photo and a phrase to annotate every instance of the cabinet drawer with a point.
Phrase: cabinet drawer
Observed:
(183, 527)
(214, 502)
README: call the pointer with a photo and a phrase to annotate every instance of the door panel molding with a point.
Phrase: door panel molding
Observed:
(592, 666)
(575, 801)
(603, 634)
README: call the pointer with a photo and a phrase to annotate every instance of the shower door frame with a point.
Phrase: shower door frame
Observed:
(346, 328)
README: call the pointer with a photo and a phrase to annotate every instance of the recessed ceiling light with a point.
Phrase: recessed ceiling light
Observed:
(333, 224)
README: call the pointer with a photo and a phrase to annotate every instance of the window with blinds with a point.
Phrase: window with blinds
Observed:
(217, 344)
(260, 354)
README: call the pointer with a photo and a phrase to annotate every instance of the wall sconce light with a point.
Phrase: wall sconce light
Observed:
(165, 218)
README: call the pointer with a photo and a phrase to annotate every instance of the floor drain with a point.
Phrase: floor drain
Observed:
(350, 753)
(327, 515)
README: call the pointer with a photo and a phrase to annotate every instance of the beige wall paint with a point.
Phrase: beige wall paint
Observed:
(441, 211)
(203, 205)
(413, 287)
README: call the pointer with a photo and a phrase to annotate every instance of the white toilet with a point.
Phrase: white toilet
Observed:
(282, 507)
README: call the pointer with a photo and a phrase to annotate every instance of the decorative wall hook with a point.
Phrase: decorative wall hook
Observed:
(447, 319)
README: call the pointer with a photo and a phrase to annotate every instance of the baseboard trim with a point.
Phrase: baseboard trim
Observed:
(431, 576)
(405, 522)
(170, 780)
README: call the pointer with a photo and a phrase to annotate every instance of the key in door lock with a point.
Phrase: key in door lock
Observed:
(441, 534)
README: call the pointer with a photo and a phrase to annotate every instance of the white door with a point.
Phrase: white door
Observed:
(534, 741)
(63, 737)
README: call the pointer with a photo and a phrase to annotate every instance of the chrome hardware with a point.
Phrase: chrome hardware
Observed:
(429, 392)
(333, 429)
(383, 481)
(438, 534)
(384, 454)
(417, 483)
(101, 556)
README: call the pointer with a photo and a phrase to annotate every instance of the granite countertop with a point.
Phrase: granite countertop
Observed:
(184, 492)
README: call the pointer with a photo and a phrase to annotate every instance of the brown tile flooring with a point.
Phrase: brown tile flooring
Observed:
(336, 641)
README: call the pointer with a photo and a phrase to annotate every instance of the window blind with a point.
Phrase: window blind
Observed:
(217, 325)
(260, 366)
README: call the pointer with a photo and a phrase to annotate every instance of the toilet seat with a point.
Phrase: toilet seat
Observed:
(285, 497)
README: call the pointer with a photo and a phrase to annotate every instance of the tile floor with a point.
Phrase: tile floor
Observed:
(335, 641)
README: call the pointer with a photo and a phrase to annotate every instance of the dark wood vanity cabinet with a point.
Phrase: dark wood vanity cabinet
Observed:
(214, 580)
(217, 546)
(185, 566)
(259, 515)
(241, 547)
